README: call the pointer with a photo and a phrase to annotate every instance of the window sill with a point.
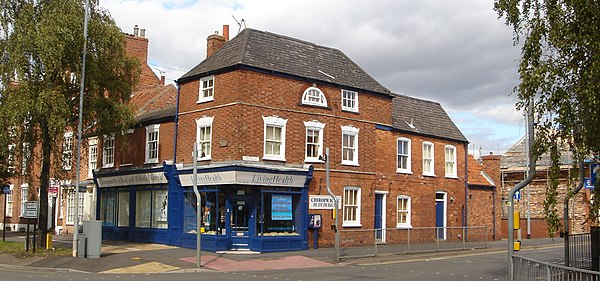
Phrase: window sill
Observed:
(451, 177)
(350, 110)
(204, 159)
(108, 166)
(404, 226)
(313, 161)
(353, 224)
(350, 164)
(205, 100)
(151, 161)
(408, 172)
(126, 165)
(272, 158)
(429, 175)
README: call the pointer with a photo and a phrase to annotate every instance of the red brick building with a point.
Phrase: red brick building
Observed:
(262, 108)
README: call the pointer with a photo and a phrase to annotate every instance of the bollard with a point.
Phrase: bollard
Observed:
(48, 241)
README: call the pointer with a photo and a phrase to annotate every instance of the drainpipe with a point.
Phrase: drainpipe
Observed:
(519, 186)
(466, 217)
(176, 119)
(566, 212)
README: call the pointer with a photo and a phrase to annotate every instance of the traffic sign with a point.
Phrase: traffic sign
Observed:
(31, 210)
(594, 172)
(518, 195)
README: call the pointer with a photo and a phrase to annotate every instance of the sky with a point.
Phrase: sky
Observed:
(456, 52)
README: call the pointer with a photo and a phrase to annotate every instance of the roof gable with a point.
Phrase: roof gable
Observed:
(154, 103)
(423, 117)
(477, 176)
(287, 55)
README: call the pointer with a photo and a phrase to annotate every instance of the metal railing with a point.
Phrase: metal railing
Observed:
(373, 242)
(529, 269)
(580, 250)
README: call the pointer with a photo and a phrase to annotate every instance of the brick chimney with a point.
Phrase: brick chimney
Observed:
(491, 166)
(215, 41)
(136, 45)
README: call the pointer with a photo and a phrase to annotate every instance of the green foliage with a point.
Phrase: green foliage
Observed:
(41, 45)
(552, 215)
(559, 70)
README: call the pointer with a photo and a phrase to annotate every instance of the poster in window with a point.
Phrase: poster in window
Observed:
(281, 207)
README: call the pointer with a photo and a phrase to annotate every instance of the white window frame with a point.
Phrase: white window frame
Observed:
(71, 206)
(314, 96)
(24, 196)
(314, 126)
(450, 161)
(353, 221)
(408, 154)
(92, 156)
(209, 89)
(350, 97)
(407, 211)
(151, 129)
(202, 124)
(9, 201)
(108, 151)
(428, 162)
(350, 131)
(25, 157)
(276, 122)
(67, 152)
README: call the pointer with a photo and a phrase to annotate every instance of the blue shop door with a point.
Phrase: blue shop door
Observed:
(379, 217)
(240, 222)
(439, 220)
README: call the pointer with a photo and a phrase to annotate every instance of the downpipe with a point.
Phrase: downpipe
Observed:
(519, 186)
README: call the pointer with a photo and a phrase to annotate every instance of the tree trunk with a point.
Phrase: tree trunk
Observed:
(44, 183)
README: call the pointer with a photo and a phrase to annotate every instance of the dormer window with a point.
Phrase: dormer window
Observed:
(314, 96)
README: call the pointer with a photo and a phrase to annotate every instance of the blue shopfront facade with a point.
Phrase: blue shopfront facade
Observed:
(244, 206)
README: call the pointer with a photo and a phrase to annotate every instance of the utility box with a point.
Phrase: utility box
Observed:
(91, 240)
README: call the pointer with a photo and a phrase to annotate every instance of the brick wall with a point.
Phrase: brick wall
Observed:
(137, 47)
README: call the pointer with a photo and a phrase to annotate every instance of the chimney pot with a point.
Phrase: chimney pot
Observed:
(135, 30)
(226, 32)
(162, 80)
(143, 32)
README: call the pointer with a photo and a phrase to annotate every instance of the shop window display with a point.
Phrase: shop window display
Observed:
(151, 209)
(279, 213)
(114, 209)
(213, 213)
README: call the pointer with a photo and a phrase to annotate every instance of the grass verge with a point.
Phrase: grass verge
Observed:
(17, 249)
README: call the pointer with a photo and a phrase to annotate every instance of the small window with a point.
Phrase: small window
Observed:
(207, 86)
(349, 101)
(152, 143)
(428, 159)
(403, 153)
(314, 96)
(92, 156)
(274, 138)
(450, 161)
(403, 212)
(204, 137)
(108, 152)
(314, 141)
(67, 151)
(351, 207)
(349, 145)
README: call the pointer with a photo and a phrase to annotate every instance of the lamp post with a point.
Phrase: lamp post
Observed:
(198, 205)
(79, 131)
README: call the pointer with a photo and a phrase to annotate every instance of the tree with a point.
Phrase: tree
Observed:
(559, 72)
(41, 45)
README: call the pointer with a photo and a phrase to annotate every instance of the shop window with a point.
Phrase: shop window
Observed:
(151, 209)
(213, 213)
(280, 216)
(114, 209)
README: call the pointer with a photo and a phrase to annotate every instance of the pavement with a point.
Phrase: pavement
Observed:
(120, 257)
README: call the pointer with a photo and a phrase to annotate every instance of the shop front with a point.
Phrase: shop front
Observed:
(243, 207)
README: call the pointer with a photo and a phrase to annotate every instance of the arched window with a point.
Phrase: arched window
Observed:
(314, 96)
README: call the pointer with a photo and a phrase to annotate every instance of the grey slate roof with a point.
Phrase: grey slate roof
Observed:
(427, 118)
(515, 158)
(290, 56)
